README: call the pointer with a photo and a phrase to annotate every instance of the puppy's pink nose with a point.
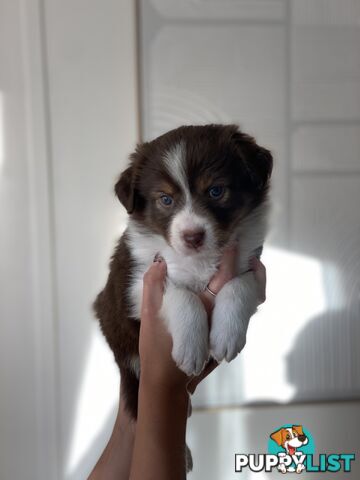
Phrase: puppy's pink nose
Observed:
(194, 238)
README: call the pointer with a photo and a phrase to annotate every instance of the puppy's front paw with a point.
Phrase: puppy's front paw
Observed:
(187, 321)
(235, 304)
(225, 345)
(190, 351)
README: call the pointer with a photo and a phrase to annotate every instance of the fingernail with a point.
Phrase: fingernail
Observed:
(158, 258)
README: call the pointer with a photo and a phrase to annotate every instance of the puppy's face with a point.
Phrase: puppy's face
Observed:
(194, 185)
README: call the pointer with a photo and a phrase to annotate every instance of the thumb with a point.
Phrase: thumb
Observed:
(153, 286)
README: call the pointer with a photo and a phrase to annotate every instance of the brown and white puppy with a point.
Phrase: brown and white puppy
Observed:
(189, 193)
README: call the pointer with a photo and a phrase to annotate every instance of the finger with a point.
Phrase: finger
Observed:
(228, 264)
(260, 275)
(154, 279)
(156, 272)
(227, 269)
(259, 270)
(153, 286)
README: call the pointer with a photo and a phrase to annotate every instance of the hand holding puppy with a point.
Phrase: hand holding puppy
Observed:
(155, 345)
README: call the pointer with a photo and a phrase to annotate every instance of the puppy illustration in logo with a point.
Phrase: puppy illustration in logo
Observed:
(290, 439)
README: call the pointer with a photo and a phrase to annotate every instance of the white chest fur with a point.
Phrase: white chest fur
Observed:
(192, 272)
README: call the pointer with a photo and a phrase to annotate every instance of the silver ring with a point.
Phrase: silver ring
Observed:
(210, 291)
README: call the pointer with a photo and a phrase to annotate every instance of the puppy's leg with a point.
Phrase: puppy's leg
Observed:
(186, 319)
(235, 304)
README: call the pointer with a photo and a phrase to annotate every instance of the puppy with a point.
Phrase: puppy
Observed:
(290, 439)
(189, 193)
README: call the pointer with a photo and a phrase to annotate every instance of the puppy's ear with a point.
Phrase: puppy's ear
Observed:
(124, 189)
(277, 436)
(261, 167)
(298, 429)
(257, 160)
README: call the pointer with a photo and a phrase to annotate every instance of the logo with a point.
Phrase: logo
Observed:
(291, 449)
(293, 442)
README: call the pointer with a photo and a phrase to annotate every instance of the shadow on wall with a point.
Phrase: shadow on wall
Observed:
(334, 340)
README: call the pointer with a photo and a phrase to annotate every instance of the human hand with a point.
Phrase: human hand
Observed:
(225, 273)
(155, 342)
(260, 275)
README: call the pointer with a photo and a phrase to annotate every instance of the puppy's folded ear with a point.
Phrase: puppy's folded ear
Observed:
(261, 167)
(257, 161)
(277, 436)
(124, 189)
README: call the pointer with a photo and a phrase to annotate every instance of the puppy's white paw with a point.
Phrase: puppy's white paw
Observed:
(225, 345)
(190, 337)
(187, 321)
(235, 303)
(190, 354)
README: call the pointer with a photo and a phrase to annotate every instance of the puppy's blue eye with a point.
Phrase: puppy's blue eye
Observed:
(216, 191)
(166, 200)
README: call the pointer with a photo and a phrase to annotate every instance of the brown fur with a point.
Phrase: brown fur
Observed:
(121, 331)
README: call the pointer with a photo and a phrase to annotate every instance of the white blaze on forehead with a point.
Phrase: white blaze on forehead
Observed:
(174, 161)
(185, 219)
(290, 431)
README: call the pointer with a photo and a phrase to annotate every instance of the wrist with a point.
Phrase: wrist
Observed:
(164, 400)
(163, 385)
(162, 372)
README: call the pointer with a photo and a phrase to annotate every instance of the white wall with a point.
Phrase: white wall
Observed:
(28, 409)
(91, 71)
(68, 121)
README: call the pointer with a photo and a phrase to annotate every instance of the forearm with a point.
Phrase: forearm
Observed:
(115, 461)
(159, 449)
